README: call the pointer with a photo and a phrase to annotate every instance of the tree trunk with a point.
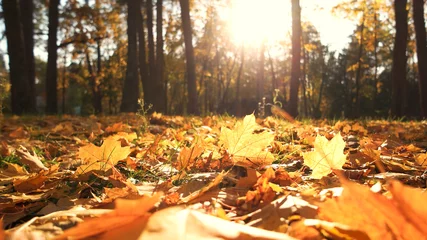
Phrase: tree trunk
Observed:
(420, 30)
(238, 80)
(274, 83)
(296, 57)
(27, 9)
(51, 72)
(20, 87)
(151, 54)
(189, 55)
(399, 58)
(260, 78)
(161, 103)
(359, 68)
(147, 82)
(131, 86)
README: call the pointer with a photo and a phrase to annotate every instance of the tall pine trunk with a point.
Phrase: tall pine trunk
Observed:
(142, 57)
(151, 53)
(160, 83)
(356, 112)
(131, 85)
(51, 72)
(260, 78)
(189, 55)
(399, 59)
(420, 30)
(27, 9)
(296, 57)
(18, 72)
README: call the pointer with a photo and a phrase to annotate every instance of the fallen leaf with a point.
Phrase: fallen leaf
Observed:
(177, 223)
(379, 217)
(327, 155)
(247, 148)
(32, 160)
(188, 154)
(102, 158)
(126, 212)
(19, 133)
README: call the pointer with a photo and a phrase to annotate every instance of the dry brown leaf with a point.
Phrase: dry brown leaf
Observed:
(4, 149)
(19, 133)
(188, 154)
(32, 160)
(64, 128)
(177, 223)
(127, 212)
(218, 179)
(376, 215)
(30, 184)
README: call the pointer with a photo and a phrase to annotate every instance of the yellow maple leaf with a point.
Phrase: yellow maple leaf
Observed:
(327, 155)
(246, 147)
(103, 157)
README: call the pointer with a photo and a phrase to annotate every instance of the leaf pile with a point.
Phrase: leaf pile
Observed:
(119, 177)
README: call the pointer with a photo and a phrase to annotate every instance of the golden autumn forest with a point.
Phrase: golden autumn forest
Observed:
(213, 119)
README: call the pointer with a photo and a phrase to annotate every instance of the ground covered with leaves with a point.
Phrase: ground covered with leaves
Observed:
(160, 177)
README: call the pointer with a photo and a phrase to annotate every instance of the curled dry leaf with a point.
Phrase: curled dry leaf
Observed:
(127, 214)
(19, 133)
(247, 148)
(178, 223)
(402, 217)
(32, 160)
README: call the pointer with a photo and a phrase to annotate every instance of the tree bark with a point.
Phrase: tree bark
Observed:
(296, 57)
(20, 88)
(238, 80)
(399, 58)
(147, 82)
(420, 30)
(27, 9)
(131, 85)
(189, 55)
(160, 83)
(356, 112)
(151, 53)
(51, 72)
(260, 78)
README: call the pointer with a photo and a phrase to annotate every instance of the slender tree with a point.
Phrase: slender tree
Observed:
(147, 82)
(27, 11)
(420, 30)
(131, 85)
(399, 58)
(189, 55)
(296, 57)
(260, 78)
(20, 87)
(356, 112)
(160, 83)
(151, 47)
(51, 72)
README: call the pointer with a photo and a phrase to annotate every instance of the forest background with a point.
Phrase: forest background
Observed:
(214, 57)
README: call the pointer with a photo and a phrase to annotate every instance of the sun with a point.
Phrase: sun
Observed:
(254, 21)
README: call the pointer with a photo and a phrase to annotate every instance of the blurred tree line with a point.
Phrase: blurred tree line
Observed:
(104, 55)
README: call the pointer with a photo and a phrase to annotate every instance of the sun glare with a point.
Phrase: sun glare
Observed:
(254, 21)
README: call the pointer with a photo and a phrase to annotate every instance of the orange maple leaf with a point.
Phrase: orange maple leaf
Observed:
(103, 157)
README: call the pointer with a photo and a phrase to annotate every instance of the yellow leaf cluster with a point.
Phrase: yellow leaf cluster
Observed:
(327, 155)
(247, 148)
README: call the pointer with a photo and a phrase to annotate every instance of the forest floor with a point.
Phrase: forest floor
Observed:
(159, 177)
